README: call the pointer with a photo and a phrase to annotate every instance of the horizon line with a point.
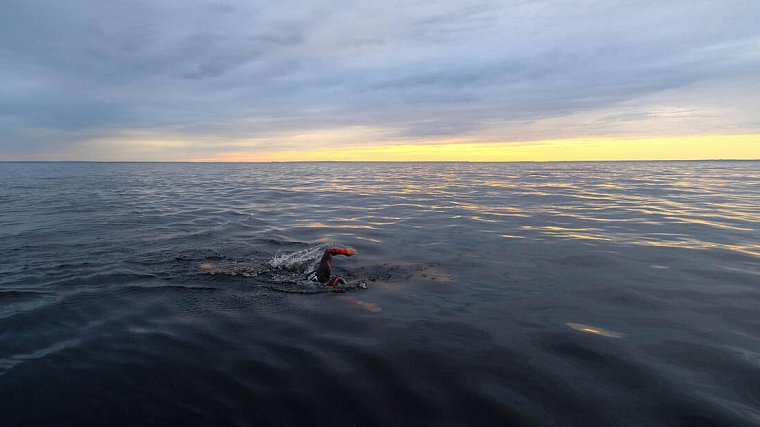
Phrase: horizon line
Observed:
(387, 161)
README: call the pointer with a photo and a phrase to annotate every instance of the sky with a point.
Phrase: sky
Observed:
(241, 80)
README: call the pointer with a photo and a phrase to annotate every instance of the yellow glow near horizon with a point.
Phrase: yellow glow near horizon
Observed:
(703, 147)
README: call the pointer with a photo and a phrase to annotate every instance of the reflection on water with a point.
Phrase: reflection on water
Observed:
(595, 330)
(147, 293)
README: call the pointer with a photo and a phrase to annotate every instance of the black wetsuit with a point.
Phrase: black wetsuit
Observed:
(323, 272)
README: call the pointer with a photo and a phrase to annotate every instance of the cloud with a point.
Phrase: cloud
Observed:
(213, 72)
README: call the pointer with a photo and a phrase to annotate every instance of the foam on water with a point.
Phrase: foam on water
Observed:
(302, 261)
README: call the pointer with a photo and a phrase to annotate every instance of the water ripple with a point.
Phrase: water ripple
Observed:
(568, 293)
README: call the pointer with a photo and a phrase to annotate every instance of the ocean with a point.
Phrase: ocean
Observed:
(621, 293)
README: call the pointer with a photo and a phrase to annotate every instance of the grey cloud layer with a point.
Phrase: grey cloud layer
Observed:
(237, 69)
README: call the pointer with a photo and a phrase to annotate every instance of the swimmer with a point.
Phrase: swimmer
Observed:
(322, 273)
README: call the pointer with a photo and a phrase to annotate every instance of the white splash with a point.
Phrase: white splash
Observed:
(302, 261)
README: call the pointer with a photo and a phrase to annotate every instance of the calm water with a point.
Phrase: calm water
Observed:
(567, 294)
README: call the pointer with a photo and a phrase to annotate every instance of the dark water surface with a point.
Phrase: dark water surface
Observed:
(540, 294)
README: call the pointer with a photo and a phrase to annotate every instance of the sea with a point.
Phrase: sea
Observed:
(568, 294)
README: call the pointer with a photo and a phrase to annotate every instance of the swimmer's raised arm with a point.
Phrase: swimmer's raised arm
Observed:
(341, 251)
(322, 273)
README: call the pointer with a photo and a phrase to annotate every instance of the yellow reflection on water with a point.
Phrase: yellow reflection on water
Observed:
(570, 233)
(745, 249)
(595, 330)
(710, 223)
(314, 224)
